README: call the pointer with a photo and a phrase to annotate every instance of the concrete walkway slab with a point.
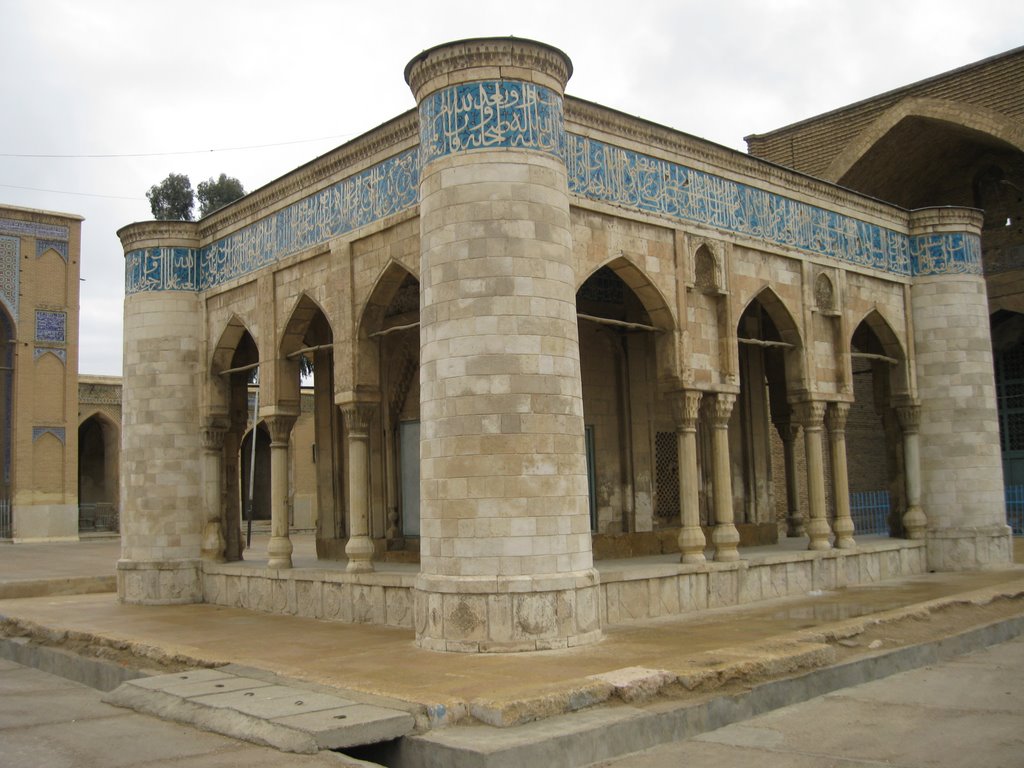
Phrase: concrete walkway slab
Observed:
(285, 717)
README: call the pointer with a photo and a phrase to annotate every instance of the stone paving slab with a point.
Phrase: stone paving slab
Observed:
(288, 718)
(274, 701)
(351, 725)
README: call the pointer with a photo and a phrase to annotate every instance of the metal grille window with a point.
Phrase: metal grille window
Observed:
(666, 476)
(1010, 394)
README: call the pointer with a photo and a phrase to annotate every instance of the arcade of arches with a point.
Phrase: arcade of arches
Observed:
(539, 337)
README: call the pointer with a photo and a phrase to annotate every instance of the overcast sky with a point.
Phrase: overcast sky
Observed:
(254, 88)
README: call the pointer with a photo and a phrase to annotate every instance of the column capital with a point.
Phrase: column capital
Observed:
(357, 417)
(280, 428)
(212, 436)
(810, 413)
(686, 408)
(909, 415)
(718, 407)
(836, 416)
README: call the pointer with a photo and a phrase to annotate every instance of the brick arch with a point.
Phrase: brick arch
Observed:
(976, 118)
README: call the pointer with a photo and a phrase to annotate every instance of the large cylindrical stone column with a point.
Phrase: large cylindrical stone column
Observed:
(163, 509)
(961, 465)
(506, 561)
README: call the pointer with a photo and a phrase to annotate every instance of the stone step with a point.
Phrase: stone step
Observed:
(289, 718)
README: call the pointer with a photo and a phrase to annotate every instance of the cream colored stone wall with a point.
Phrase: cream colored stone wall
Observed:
(476, 283)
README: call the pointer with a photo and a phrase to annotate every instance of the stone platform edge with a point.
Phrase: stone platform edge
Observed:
(704, 673)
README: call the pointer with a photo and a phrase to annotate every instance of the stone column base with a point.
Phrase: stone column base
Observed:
(470, 614)
(968, 549)
(167, 582)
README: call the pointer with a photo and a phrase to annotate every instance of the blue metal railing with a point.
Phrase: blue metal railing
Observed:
(1015, 508)
(870, 512)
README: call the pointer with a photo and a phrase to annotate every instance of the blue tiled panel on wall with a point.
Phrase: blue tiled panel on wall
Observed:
(57, 432)
(60, 354)
(34, 229)
(491, 114)
(610, 174)
(383, 190)
(949, 253)
(10, 256)
(596, 171)
(161, 269)
(51, 326)
(42, 246)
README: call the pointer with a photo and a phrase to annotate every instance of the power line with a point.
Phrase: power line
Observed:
(65, 192)
(168, 154)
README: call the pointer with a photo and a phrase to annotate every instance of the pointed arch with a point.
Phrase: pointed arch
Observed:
(658, 309)
(986, 121)
(99, 452)
(393, 304)
(235, 347)
(874, 335)
(781, 317)
(707, 271)
(229, 405)
(307, 329)
(306, 316)
(392, 280)
(227, 346)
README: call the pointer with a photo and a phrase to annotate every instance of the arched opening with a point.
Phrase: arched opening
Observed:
(874, 438)
(255, 479)
(768, 488)
(389, 336)
(630, 440)
(235, 377)
(1008, 357)
(98, 457)
(308, 350)
(935, 153)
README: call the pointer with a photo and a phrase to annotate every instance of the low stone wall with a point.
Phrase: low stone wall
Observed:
(637, 592)
(629, 590)
(362, 598)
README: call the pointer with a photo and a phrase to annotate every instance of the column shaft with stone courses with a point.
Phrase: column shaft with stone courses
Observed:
(961, 464)
(163, 505)
(506, 561)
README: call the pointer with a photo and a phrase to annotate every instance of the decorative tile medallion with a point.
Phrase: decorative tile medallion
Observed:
(491, 114)
(42, 246)
(57, 432)
(51, 326)
(60, 354)
(10, 252)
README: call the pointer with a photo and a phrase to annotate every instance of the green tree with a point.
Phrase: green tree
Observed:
(172, 199)
(216, 194)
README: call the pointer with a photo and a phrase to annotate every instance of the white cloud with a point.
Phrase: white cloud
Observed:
(134, 76)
